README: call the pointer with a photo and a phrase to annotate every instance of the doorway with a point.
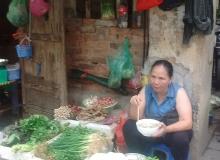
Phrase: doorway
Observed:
(10, 92)
(214, 114)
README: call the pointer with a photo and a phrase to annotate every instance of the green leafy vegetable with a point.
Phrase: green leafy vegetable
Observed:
(107, 10)
(39, 128)
(77, 143)
(23, 147)
(152, 158)
(12, 139)
(29, 132)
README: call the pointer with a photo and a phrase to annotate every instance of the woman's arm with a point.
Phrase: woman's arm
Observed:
(137, 102)
(184, 109)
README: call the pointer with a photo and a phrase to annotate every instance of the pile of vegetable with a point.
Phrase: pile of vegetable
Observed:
(107, 10)
(63, 112)
(92, 114)
(93, 109)
(101, 102)
(29, 132)
(67, 112)
(76, 144)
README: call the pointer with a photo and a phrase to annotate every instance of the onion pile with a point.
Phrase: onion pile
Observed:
(63, 112)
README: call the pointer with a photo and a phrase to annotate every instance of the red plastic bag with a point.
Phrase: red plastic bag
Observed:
(38, 7)
(120, 141)
(142, 5)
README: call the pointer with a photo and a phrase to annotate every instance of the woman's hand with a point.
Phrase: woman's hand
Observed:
(161, 131)
(136, 100)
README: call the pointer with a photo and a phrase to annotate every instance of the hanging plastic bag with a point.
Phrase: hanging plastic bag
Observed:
(170, 4)
(38, 7)
(115, 66)
(17, 13)
(142, 5)
(128, 67)
(120, 65)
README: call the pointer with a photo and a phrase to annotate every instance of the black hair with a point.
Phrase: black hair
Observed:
(167, 65)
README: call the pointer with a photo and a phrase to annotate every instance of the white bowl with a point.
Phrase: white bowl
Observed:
(135, 156)
(147, 127)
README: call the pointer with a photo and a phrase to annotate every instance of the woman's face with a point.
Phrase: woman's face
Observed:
(159, 79)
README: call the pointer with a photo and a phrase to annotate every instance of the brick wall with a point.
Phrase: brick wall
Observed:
(89, 42)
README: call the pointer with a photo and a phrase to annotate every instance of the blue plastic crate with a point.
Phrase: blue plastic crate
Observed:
(14, 72)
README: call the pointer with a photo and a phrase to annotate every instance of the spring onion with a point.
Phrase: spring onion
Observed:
(77, 144)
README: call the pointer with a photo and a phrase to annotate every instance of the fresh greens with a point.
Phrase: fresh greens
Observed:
(152, 158)
(12, 139)
(28, 132)
(39, 128)
(107, 9)
(76, 144)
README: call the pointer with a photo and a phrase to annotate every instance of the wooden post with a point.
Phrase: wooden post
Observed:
(88, 8)
(73, 6)
(117, 6)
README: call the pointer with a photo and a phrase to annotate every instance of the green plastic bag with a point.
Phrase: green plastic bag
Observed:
(128, 67)
(120, 65)
(115, 67)
(17, 13)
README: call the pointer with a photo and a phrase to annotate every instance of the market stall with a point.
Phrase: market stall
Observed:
(38, 137)
(9, 87)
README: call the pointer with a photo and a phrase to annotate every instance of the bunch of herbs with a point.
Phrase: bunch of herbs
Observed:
(29, 132)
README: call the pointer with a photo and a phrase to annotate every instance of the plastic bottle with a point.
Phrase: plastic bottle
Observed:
(123, 15)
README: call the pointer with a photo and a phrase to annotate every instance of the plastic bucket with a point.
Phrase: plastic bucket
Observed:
(24, 51)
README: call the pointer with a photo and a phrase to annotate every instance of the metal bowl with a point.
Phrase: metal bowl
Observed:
(3, 62)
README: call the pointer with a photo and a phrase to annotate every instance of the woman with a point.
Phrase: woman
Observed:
(167, 102)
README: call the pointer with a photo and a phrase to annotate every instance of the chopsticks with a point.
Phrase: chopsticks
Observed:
(138, 113)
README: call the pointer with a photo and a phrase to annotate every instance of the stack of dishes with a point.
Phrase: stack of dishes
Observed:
(3, 62)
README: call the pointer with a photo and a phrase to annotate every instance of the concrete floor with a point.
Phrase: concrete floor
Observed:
(212, 152)
(7, 118)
